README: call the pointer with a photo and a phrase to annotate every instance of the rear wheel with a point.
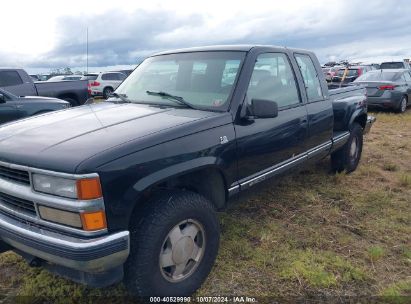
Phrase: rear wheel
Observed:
(174, 242)
(348, 157)
(107, 92)
(402, 107)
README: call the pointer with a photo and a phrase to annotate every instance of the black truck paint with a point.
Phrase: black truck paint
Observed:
(18, 82)
(167, 157)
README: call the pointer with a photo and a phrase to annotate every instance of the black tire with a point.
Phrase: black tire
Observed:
(348, 157)
(73, 102)
(107, 92)
(150, 231)
(402, 106)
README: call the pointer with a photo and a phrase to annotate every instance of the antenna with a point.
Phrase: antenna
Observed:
(87, 53)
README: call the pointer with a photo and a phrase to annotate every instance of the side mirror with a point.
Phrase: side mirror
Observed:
(2, 98)
(262, 108)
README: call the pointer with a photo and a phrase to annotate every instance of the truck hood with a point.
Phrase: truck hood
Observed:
(61, 140)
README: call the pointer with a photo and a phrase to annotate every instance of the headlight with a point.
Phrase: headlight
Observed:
(82, 189)
(55, 185)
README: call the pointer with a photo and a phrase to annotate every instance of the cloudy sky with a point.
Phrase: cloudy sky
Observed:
(41, 35)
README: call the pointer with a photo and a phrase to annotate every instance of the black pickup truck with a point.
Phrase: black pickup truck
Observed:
(18, 82)
(129, 188)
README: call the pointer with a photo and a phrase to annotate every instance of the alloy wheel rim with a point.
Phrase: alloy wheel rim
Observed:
(403, 105)
(354, 149)
(182, 250)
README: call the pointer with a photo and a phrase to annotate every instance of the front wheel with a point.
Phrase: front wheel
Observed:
(174, 243)
(348, 157)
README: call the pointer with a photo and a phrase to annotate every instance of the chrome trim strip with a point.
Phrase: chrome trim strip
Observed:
(341, 137)
(58, 242)
(262, 175)
(319, 149)
(273, 170)
(234, 190)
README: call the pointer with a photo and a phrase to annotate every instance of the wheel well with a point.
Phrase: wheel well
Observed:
(361, 120)
(208, 182)
(108, 87)
(68, 96)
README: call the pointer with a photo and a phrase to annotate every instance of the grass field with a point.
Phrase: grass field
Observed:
(314, 235)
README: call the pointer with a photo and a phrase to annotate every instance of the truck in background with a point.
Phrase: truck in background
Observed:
(18, 82)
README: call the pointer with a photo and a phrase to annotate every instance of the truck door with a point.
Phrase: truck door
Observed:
(16, 83)
(319, 107)
(266, 144)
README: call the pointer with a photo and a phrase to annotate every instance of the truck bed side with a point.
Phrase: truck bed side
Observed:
(348, 103)
(74, 90)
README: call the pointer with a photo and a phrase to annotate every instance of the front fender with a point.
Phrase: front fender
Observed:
(174, 171)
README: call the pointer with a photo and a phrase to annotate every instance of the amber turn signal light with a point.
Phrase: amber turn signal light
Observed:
(89, 188)
(94, 220)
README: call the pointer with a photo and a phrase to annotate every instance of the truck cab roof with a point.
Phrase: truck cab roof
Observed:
(238, 48)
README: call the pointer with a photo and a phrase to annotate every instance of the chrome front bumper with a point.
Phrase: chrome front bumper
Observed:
(26, 232)
(87, 255)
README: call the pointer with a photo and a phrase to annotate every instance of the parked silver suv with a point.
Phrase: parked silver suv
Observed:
(106, 83)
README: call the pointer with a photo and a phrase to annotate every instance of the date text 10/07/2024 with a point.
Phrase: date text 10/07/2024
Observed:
(204, 299)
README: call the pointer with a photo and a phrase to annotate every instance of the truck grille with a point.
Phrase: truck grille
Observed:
(15, 175)
(17, 204)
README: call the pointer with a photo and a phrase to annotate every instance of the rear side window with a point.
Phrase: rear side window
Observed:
(89, 77)
(392, 65)
(273, 79)
(9, 78)
(310, 76)
(110, 76)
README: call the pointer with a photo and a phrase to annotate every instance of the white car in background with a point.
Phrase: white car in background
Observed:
(65, 77)
(106, 83)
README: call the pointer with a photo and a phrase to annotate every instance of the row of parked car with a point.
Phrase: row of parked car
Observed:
(388, 84)
(21, 96)
(99, 84)
(336, 72)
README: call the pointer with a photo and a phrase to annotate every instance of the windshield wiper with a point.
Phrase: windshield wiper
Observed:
(122, 97)
(173, 97)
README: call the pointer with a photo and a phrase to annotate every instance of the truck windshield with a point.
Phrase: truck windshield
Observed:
(203, 79)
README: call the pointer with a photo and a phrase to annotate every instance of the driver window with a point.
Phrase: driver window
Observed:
(273, 79)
